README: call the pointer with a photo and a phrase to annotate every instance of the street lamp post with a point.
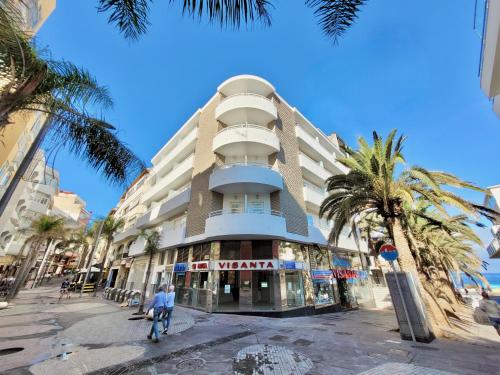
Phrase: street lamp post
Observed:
(94, 247)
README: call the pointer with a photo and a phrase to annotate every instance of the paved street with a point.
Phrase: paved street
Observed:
(93, 335)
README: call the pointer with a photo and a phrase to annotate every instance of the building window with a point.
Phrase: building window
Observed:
(230, 250)
(292, 251)
(201, 252)
(262, 249)
(170, 256)
(162, 258)
(318, 258)
(183, 255)
(323, 292)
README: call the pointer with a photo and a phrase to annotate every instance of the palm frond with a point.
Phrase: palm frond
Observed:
(336, 16)
(130, 16)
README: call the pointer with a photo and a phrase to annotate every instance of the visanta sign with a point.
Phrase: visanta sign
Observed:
(230, 265)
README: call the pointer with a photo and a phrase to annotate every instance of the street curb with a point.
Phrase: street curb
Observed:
(135, 365)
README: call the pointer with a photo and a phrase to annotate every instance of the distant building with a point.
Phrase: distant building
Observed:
(492, 200)
(235, 194)
(487, 25)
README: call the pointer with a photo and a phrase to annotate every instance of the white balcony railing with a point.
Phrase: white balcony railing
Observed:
(164, 184)
(247, 211)
(263, 141)
(254, 108)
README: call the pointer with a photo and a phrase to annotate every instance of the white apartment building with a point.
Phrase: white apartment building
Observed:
(487, 24)
(33, 197)
(236, 194)
(492, 200)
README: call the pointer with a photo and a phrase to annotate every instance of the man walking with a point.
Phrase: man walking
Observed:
(158, 304)
(170, 308)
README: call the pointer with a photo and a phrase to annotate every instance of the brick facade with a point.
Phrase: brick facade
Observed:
(291, 198)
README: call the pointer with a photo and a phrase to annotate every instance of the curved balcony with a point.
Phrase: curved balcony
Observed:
(246, 139)
(234, 225)
(246, 83)
(251, 108)
(244, 177)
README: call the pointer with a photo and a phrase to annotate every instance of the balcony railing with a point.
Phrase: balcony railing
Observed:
(245, 126)
(245, 94)
(247, 211)
(244, 164)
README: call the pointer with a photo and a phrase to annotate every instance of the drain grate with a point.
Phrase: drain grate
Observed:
(136, 318)
(343, 333)
(279, 338)
(8, 351)
(191, 364)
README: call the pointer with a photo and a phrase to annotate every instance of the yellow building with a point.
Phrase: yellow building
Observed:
(17, 137)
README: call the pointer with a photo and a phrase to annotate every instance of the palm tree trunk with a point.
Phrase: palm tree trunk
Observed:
(146, 282)
(25, 268)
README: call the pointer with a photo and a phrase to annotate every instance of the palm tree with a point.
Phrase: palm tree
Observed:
(152, 246)
(110, 227)
(81, 239)
(378, 183)
(44, 229)
(132, 16)
(64, 93)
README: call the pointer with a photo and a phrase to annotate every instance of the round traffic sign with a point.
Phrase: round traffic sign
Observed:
(389, 252)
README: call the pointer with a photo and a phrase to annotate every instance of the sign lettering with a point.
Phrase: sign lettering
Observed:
(225, 265)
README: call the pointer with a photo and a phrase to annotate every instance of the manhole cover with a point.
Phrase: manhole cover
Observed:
(343, 333)
(10, 351)
(191, 364)
(269, 359)
(136, 318)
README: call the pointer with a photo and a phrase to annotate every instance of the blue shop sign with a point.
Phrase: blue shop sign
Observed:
(321, 274)
(341, 262)
(180, 267)
(291, 265)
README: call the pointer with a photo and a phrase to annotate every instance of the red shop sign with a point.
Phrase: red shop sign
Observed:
(345, 274)
(199, 266)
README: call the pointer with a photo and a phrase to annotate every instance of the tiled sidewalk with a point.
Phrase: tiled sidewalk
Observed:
(99, 338)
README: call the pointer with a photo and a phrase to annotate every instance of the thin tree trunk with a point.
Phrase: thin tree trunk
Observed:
(146, 282)
(83, 257)
(40, 271)
(108, 245)
(25, 268)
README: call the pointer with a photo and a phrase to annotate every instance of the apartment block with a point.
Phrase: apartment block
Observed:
(33, 198)
(487, 25)
(235, 194)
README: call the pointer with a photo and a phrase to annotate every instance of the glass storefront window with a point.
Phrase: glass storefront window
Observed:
(201, 252)
(318, 257)
(182, 255)
(292, 251)
(229, 290)
(294, 289)
(262, 249)
(230, 250)
(323, 293)
(263, 290)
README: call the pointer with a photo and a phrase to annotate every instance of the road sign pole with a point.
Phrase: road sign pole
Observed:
(404, 302)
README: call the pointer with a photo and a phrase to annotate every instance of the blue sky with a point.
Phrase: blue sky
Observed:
(406, 65)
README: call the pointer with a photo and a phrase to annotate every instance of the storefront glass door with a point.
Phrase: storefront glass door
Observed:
(294, 289)
(263, 290)
(229, 290)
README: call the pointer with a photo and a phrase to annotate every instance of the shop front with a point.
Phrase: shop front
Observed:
(352, 281)
(263, 277)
